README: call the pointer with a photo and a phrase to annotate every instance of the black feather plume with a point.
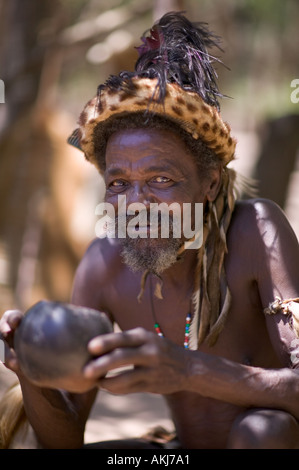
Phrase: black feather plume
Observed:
(176, 50)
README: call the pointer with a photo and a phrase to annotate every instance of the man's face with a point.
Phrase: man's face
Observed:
(149, 166)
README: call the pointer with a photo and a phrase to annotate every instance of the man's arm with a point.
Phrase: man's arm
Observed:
(243, 385)
(211, 376)
(57, 417)
(275, 252)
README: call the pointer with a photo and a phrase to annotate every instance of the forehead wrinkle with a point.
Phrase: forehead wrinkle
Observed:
(138, 150)
(127, 167)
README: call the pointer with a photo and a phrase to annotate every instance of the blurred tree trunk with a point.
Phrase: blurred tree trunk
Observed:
(277, 159)
(27, 47)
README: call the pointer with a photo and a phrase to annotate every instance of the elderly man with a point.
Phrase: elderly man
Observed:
(212, 329)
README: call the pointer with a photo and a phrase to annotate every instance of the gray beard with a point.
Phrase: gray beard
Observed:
(155, 255)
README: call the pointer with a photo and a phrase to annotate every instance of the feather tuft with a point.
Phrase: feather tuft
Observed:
(175, 50)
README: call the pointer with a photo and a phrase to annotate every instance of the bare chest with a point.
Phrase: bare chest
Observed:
(244, 337)
(169, 313)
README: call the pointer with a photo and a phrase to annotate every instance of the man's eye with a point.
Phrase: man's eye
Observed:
(161, 179)
(117, 184)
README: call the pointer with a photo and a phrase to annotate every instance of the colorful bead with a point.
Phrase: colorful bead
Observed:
(187, 331)
(158, 330)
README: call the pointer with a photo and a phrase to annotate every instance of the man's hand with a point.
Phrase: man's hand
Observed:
(159, 366)
(8, 324)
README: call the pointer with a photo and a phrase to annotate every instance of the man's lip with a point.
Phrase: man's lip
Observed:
(149, 229)
(148, 226)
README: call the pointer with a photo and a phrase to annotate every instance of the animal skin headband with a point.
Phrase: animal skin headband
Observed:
(186, 108)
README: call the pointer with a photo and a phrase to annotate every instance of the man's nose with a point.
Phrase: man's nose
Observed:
(140, 194)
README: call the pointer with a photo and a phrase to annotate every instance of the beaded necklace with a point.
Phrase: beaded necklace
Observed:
(187, 330)
(158, 328)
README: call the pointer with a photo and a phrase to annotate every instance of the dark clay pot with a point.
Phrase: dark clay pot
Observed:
(51, 340)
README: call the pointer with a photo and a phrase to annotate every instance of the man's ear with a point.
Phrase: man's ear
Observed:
(215, 183)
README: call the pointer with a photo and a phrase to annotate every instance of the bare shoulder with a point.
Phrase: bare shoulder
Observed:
(101, 257)
(261, 239)
(95, 272)
(261, 218)
(257, 207)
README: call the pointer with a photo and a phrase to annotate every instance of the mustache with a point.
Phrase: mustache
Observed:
(144, 219)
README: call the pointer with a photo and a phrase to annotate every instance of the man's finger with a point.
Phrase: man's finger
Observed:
(128, 339)
(129, 381)
(10, 320)
(13, 318)
(118, 358)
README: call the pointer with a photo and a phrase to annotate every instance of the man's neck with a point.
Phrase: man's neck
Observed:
(182, 272)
